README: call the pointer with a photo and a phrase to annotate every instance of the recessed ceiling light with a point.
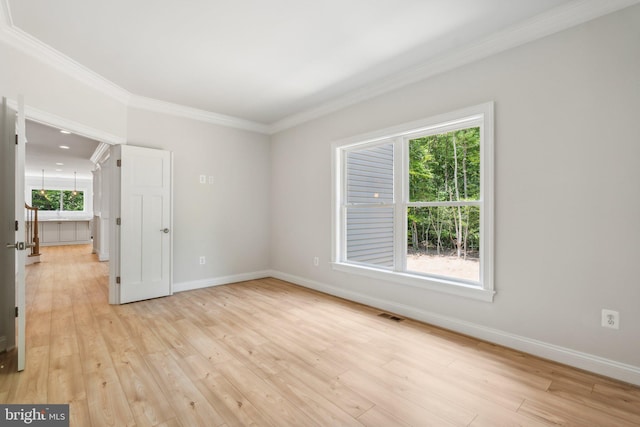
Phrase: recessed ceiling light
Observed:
(64, 147)
(66, 132)
(60, 164)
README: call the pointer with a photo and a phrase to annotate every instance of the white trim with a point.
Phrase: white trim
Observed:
(553, 21)
(30, 45)
(5, 14)
(45, 118)
(443, 285)
(589, 362)
(163, 107)
(482, 116)
(218, 281)
(99, 154)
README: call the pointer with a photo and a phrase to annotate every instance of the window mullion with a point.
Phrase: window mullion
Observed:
(400, 178)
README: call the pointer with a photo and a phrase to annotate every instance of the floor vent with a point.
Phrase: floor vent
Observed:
(391, 317)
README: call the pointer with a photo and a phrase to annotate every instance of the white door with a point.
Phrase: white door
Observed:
(145, 241)
(12, 255)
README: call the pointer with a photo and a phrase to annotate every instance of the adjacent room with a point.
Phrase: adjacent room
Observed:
(323, 213)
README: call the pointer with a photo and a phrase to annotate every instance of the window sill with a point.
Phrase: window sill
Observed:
(422, 282)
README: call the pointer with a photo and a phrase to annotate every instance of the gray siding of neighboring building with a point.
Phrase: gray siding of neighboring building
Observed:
(369, 230)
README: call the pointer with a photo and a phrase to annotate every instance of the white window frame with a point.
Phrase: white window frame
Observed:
(477, 116)
(60, 189)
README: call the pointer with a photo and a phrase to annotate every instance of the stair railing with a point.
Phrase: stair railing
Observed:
(32, 238)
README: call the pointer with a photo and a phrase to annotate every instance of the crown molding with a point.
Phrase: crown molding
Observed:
(100, 153)
(28, 44)
(5, 13)
(158, 106)
(49, 119)
(553, 21)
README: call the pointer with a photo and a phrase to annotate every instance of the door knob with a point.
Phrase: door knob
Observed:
(165, 230)
(20, 246)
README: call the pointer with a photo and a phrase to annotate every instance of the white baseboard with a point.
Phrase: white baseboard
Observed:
(217, 281)
(588, 362)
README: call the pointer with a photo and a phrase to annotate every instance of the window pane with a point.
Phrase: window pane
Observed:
(444, 241)
(370, 236)
(445, 167)
(49, 201)
(370, 175)
(71, 202)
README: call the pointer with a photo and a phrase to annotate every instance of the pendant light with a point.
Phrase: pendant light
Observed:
(75, 182)
(42, 189)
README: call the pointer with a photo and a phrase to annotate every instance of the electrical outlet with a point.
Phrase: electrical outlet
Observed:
(203, 260)
(203, 179)
(316, 261)
(610, 319)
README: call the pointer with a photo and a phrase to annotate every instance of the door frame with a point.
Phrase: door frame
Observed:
(49, 119)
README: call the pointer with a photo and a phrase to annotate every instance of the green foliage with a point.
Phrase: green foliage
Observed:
(72, 202)
(50, 200)
(445, 168)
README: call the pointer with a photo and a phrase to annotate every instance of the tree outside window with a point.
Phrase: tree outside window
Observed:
(54, 200)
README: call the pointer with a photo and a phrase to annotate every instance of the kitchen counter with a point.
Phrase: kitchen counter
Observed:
(64, 231)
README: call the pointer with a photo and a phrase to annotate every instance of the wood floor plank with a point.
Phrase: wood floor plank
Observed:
(560, 411)
(331, 389)
(107, 402)
(263, 395)
(269, 353)
(312, 403)
(234, 408)
(477, 396)
(79, 413)
(65, 383)
(422, 402)
(376, 416)
(148, 403)
(31, 385)
(190, 407)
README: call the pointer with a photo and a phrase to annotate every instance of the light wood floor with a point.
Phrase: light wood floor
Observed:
(269, 353)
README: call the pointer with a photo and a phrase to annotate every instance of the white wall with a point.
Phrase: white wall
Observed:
(56, 93)
(566, 195)
(226, 221)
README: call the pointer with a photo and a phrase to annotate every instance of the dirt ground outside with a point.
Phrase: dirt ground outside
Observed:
(445, 265)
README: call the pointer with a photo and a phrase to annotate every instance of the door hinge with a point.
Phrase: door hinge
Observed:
(17, 225)
(118, 280)
(118, 221)
(119, 163)
(17, 311)
(16, 139)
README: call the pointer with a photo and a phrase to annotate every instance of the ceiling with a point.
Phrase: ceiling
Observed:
(262, 60)
(43, 152)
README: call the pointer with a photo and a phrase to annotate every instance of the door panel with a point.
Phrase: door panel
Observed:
(145, 230)
(7, 229)
(12, 249)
